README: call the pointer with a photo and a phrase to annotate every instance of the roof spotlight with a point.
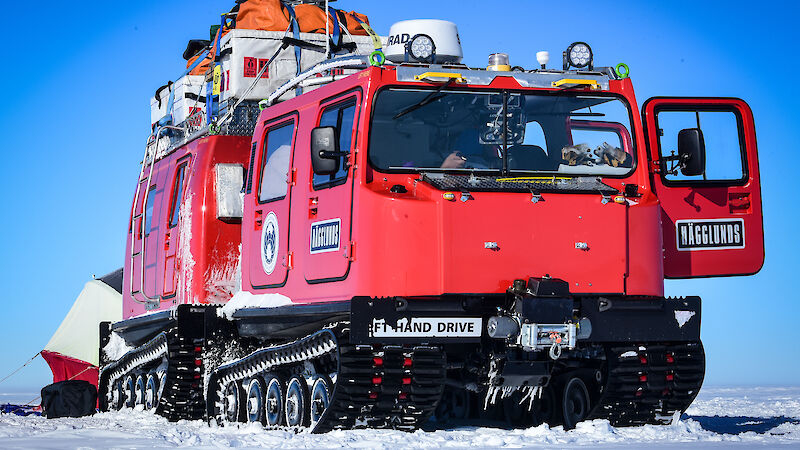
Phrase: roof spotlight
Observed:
(421, 49)
(578, 55)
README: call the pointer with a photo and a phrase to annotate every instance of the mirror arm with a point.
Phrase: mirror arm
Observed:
(331, 155)
(671, 163)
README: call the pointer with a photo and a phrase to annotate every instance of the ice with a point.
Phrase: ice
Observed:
(719, 418)
(244, 299)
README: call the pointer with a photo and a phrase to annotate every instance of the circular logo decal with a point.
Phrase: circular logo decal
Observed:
(269, 243)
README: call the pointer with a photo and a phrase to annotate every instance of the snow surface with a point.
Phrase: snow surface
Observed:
(244, 299)
(720, 418)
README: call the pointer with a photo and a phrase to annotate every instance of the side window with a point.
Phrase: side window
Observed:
(148, 211)
(342, 117)
(725, 153)
(275, 162)
(177, 196)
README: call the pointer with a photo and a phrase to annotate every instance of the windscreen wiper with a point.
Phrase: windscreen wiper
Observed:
(430, 98)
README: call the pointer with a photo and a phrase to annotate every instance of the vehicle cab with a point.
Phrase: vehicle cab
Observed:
(433, 180)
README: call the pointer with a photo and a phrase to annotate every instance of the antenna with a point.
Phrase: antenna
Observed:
(327, 32)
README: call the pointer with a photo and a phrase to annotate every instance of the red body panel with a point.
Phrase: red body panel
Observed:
(196, 260)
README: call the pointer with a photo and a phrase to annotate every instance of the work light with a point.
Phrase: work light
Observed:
(578, 55)
(421, 48)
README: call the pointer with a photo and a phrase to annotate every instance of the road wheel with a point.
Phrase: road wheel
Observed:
(296, 403)
(575, 405)
(273, 405)
(256, 400)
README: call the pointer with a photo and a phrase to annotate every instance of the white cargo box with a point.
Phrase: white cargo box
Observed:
(189, 97)
(246, 51)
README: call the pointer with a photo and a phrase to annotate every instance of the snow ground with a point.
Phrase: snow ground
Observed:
(720, 417)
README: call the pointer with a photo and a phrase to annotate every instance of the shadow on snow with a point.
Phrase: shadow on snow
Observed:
(742, 424)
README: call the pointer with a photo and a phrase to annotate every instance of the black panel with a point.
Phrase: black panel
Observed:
(642, 320)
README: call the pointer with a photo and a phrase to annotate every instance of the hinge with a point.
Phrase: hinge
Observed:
(350, 251)
(656, 166)
(289, 261)
(293, 177)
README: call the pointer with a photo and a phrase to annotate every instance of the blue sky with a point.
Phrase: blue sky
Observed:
(78, 83)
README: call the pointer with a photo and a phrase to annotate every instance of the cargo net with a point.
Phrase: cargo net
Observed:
(165, 140)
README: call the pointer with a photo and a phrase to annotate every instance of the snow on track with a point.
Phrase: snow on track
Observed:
(719, 418)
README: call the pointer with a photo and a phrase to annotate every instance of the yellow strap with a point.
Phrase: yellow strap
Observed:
(445, 75)
(217, 85)
(376, 40)
(569, 82)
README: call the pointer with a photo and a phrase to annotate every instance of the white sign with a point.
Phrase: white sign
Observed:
(325, 236)
(422, 327)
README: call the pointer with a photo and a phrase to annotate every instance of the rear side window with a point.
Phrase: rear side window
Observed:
(342, 117)
(177, 196)
(275, 163)
(148, 211)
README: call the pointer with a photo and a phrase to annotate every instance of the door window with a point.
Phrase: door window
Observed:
(725, 153)
(275, 163)
(342, 117)
(148, 211)
(177, 196)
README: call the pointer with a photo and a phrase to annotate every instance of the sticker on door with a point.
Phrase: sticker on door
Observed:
(325, 236)
(709, 234)
(269, 243)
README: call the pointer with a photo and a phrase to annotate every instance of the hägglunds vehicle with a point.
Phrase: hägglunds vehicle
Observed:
(335, 229)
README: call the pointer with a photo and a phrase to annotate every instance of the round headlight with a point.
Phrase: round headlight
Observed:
(580, 55)
(421, 48)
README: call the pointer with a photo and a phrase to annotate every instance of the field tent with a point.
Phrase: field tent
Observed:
(72, 352)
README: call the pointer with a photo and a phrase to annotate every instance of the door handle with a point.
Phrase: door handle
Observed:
(739, 203)
(259, 219)
(312, 207)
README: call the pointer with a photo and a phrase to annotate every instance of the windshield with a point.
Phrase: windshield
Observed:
(500, 133)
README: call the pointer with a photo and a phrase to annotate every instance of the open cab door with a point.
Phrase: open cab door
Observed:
(705, 173)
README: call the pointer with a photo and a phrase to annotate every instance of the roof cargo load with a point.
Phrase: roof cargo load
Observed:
(244, 52)
(274, 15)
(189, 97)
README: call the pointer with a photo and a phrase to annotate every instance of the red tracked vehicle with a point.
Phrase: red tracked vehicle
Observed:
(449, 240)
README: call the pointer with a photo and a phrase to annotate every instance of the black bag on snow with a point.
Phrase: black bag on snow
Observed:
(70, 398)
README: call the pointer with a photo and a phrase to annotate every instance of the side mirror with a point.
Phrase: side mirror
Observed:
(692, 152)
(325, 151)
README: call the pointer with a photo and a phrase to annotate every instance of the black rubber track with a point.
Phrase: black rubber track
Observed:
(400, 392)
(649, 383)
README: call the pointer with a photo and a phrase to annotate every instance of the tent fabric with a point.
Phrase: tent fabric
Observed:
(78, 336)
(65, 368)
(113, 279)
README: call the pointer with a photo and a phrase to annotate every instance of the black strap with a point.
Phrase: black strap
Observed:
(158, 91)
(193, 96)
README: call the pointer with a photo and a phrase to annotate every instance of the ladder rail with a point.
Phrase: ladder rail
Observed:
(150, 157)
